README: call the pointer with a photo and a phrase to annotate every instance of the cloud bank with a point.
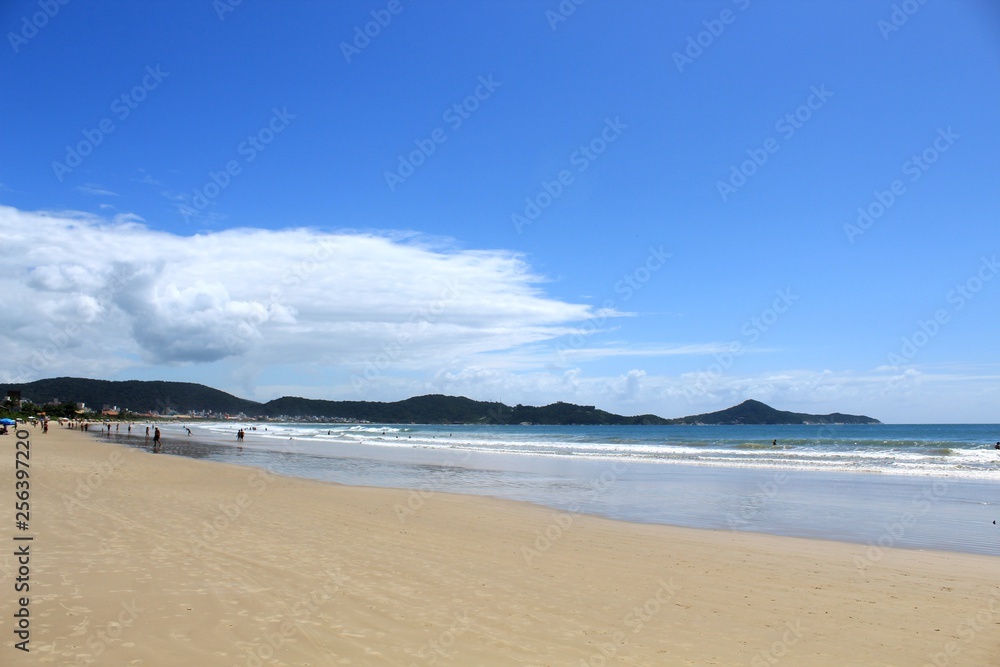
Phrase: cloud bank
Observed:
(87, 294)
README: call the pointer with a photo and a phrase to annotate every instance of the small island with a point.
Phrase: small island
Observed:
(755, 412)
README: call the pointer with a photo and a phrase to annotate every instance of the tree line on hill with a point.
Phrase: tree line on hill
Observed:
(167, 398)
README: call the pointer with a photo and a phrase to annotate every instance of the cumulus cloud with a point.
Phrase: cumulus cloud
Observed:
(83, 291)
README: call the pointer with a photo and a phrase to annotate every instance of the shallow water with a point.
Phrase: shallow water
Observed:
(930, 487)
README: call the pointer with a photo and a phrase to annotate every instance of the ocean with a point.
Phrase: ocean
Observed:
(881, 485)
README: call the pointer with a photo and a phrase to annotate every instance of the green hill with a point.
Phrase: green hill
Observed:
(755, 412)
(186, 397)
(440, 409)
(135, 395)
(431, 409)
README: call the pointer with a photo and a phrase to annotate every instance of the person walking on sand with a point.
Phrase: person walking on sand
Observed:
(156, 440)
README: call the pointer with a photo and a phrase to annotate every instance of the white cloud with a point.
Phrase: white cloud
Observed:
(96, 190)
(907, 396)
(122, 293)
(624, 350)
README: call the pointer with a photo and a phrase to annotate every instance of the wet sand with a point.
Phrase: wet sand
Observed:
(143, 559)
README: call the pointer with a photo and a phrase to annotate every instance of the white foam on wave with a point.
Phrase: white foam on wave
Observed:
(892, 457)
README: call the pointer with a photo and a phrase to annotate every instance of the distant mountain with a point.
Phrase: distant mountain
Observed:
(185, 397)
(136, 395)
(755, 412)
(439, 409)
(432, 409)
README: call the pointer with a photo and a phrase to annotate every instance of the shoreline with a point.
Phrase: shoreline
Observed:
(155, 560)
(871, 511)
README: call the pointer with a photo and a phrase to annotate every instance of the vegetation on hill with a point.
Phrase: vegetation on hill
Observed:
(167, 398)
(134, 395)
(755, 412)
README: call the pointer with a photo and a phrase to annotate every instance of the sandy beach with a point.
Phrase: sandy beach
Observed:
(142, 559)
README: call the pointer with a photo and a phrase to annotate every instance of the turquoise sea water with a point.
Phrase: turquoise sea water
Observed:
(918, 486)
(953, 450)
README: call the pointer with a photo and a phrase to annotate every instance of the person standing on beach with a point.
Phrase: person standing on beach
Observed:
(156, 441)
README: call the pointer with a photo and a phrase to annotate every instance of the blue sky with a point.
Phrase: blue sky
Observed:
(649, 207)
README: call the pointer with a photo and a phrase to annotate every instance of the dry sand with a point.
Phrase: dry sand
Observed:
(142, 559)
